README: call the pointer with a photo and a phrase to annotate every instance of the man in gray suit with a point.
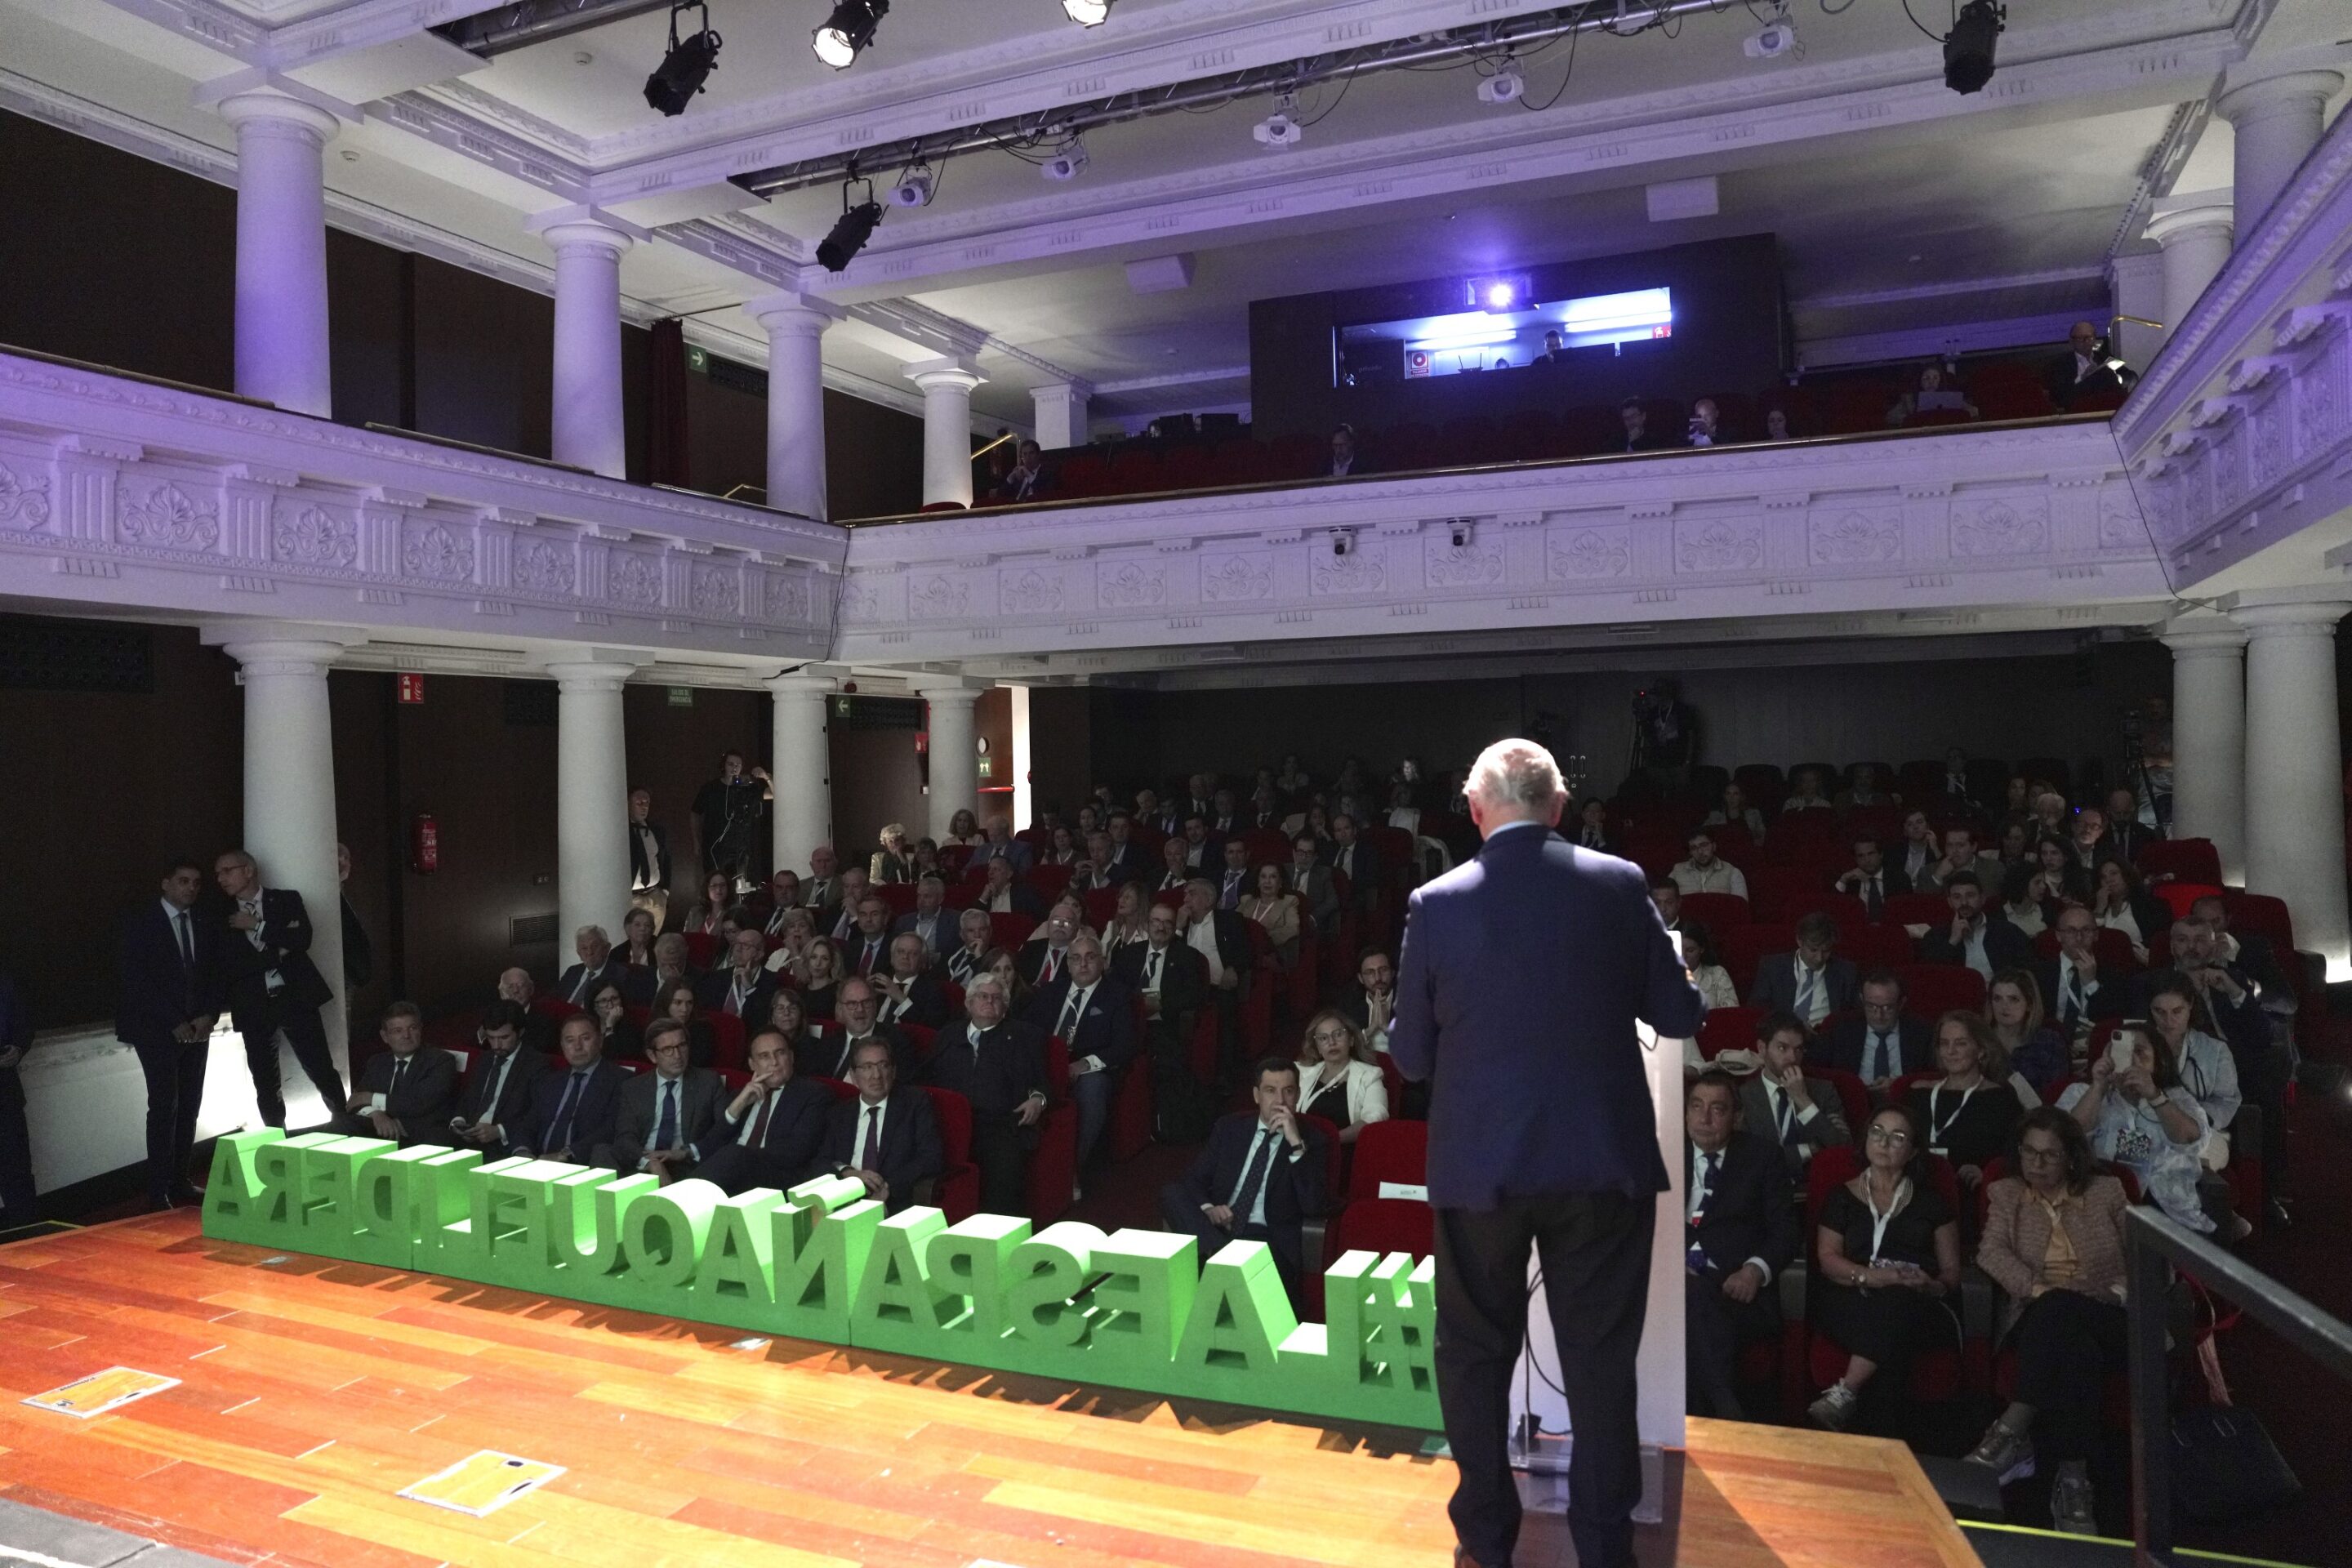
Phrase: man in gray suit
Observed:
(1811, 982)
(1781, 1106)
(666, 1116)
(1311, 881)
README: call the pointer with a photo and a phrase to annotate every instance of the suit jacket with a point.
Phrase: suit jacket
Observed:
(927, 999)
(1008, 1068)
(285, 947)
(795, 1131)
(637, 1116)
(637, 868)
(1988, 867)
(2058, 380)
(1294, 1188)
(1751, 1213)
(1808, 1136)
(1523, 972)
(1316, 890)
(1234, 948)
(853, 953)
(592, 1115)
(711, 992)
(1106, 1030)
(911, 1152)
(2005, 946)
(1776, 984)
(612, 972)
(511, 1109)
(828, 1056)
(2106, 1002)
(428, 1091)
(939, 938)
(1366, 876)
(1183, 979)
(157, 991)
(1127, 862)
(1024, 901)
(1891, 878)
(1914, 1037)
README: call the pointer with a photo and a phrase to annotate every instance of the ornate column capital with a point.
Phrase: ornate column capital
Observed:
(931, 374)
(599, 671)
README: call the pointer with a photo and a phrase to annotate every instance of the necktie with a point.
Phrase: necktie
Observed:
(665, 1130)
(579, 986)
(1784, 1112)
(188, 941)
(869, 1157)
(1877, 1062)
(1152, 963)
(1071, 1010)
(253, 907)
(1050, 967)
(1252, 1178)
(560, 1130)
(1804, 992)
(399, 1070)
(759, 1137)
(1696, 1255)
(1871, 900)
(2070, 997)
(873, 955)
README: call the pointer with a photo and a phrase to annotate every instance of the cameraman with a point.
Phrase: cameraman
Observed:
(1666, 735)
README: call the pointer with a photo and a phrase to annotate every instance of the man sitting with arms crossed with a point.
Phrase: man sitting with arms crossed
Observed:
(405, 1092)
(772, 1128)
(573, 1107)
(1000, 1066)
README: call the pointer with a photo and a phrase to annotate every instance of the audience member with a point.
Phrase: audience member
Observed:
(787, 1017)
(1807, 792)
(1346, 460)
(1870, 878)
(974, 936)
(1356, 860)
(1734, 811)
(1371, 1005)
(2118, 903)
(860, 1008)
(1026, 479)
(2021, 903)
(271, 985)
(1705, 966)
(1862, 789)
(1799, 1115)
(665, 1116)
(2036, 1053)
(1960, 854)
(1888, 1249)
(677, 1004)
(599, 966)
(998, 1064)
(2126, 834)
(2081, 996)
(894, 861)
(1636, 421)
(1171, 977)
(963, 830)
(929, 920)
(838, 919)
(1985, 946)
(496, 1101)
(820, 976)
(1884, 1042)
(1592, 827)
(1257, 1179)
(730, 812)
(1701, 871)
(1235, 885)
(1812, 982)
(1001, 894)
(1742, 1224)
(740, 989)
(822, 887)
(1705, 424)
(2208, 1070)
(1917, 853)
(1041, 957)
(2054, 1242)
(1130, 919)
(868, 944)
(887, 1137)
(1278, 911)
(1339, 1078)
(2085, 370)
(716, 910)
(649, 863)
(1667, 895)
(1001, 846)
(1312, 879)
(516, 986)
(769, 1134)
(2139, 1115)
(573, 1107)
(671, 965)
(1969, 1112)
(404, 1092)
(617, 1035)
(167, 1000)
(909, 989)
(1092, 1013)
(1929, 394)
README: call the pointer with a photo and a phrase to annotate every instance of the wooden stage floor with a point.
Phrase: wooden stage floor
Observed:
(312, 1392)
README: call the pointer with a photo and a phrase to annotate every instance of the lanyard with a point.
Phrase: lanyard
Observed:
(1936, 1130)
(1879, 1222)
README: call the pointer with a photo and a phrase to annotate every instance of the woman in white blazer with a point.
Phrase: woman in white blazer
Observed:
(1338, 1078)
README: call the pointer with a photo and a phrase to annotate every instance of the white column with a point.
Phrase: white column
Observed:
(592, 797)
(1062, 414)
(1025, 793)
(2208, 735)
(2194, 231)
(587, 429)
(802, 767)
(947, 386)
(795, 325)
(281, 251)
(2136, 284)
(2294, 768)
(955, 754)
(2278, 118)
(289, 785)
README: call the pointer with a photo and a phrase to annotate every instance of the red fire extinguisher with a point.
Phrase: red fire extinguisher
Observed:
(423, 844)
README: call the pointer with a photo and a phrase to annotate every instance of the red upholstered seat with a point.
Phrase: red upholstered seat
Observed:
(1383, 1226)
(1728, 1029)
(1010, 930)
(1916, 910)
(1053, 1166)
(2190, 859)
(726, 1041)
(956, 1193)
(1930, 989)
(1390, 1150)
(1743, 947)
(1718, 912)
(1873, 946)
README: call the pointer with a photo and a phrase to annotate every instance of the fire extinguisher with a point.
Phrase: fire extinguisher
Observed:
(423, 844)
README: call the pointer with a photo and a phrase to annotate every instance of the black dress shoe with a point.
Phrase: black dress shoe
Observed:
(185, 1195)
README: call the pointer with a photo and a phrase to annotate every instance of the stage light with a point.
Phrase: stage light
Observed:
(849, 29)
(1778, 37)
(1506, 86)
(1499, 295)
(1280, 128)
(1066, 164)
(1968, 47)
(1087, 12)
(915, 190)
(850, 232)
(687, 66)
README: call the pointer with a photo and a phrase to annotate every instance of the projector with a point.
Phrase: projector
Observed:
(1277, 130)
(914, 190)
(1774, 41)
(1066, 164)
(1506, 86)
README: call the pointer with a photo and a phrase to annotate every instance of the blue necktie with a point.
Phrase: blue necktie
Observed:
(665, 1133)
(560, 1130)
(1252, 1178)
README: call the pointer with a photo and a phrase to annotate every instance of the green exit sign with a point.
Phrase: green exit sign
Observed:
(697, 358)
(682, 696)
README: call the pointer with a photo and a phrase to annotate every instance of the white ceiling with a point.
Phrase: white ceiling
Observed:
(1911, 208)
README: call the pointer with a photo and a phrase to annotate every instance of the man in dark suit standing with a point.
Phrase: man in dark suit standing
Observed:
(1884, 1042)
(1258, 1177)
(598, 967)
(888, 1137)
(496, 1097)
(1523, 973)
(774, 1124)
(1812, 982)
(165, 1006)
(649, 867)
(272, 986)
(665, 1116)
(1000, 1066)
(1094, 1015)
(405, 1091)
(573, 1107)
(1743, 1231)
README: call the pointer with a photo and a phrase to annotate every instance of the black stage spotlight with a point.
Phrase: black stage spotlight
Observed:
(687, 64)
(1968, 47)
(849, 29)
(851, 230)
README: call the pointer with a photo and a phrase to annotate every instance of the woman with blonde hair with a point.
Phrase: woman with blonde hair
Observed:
(894, 862)
(1339, 1078)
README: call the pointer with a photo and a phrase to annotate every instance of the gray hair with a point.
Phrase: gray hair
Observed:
(984, 981)
(1515, 773)
(596, 931)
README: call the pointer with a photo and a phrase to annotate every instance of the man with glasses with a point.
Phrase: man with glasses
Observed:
(858, 1008)
(887, 1137)
(768, 1135)
(1884, 1042)
(1093, 1013)
(2076, 994)
(666, 1116)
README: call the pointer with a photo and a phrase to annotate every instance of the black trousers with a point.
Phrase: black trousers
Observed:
(1595, 1252)
(308, 1036)
(16, 1195)
(1001, 1148)
(175, 1091)
(1715, 1329)
(1182, 1214)
(2068, 1345)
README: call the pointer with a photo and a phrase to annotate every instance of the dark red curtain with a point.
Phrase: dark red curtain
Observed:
(666, 443)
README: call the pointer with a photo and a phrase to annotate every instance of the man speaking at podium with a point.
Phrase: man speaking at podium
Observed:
(1522, 974)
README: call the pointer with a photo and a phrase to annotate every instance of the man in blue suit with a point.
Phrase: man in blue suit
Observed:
(1522, 974)
(573, 1107)
(169, 999)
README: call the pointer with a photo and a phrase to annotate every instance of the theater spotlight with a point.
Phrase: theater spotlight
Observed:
(1506, 86)
(851, 230)
(1968, 47)
(849, 29)
(1087, 12)
(1066, 164)
(687, 64)
(914, 189)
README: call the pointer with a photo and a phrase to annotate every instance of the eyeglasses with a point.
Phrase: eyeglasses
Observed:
(1893, 1137)
(2027, 1152)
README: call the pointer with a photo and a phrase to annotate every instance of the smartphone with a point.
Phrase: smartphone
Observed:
(2123, 1049)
